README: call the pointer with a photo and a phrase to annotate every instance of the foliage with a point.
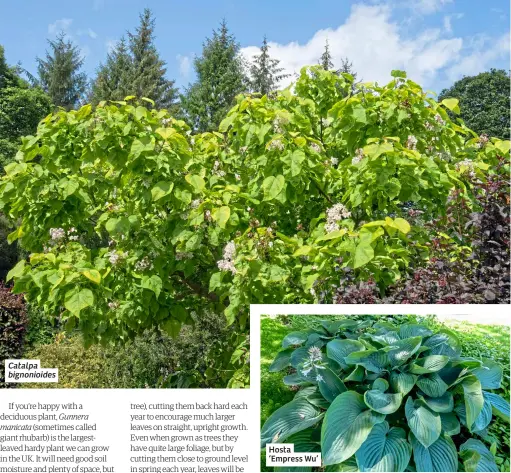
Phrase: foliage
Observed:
(12, 329)
(220, 75)
(326, 59)
(484, 102)
(8, 76)
(59, 74)
(265, 73)
(8, 253)
(398, 388)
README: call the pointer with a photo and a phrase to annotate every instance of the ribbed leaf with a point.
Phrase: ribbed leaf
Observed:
(329, 384)
(429, 364)
(381, 384)
(444, 342)
(425, 424)
(440, 456)
(293, 380)
(294, 339)
(298, 356)
(372, 360)
(403, 350)
(358, 374)
(281, 361)
(384, 450)
(432, 385)
(346, 426)
(388, 338)
(402, 382)
(384, 403)
(414, 330)
(293, 417)
(500, 406)
(474, 399)
(476, 457)
(338, 350)
(302, 442)
(450, 423)
(444, 403)
(490, 374)
(350, 465)
(483, 419)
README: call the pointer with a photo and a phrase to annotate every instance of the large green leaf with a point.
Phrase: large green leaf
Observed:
(281, 361)
(450, 423)
(425, 424)
(483, 419)
(432, 385)
(346, 426)
(440, 456)
(444, 403)
(474, 399)
(358, 374)
(298, 357)
(329, 384)
(402, 382)
(75, 301)
(403, 350)
(385, 449)
(293, 417)
(294, 339)
(500, 406)
(444, 342)
(414, 330)
(273, 186)
(221, 215)
(372, 360)
(161, 189)
(153, 283)
(429, 364)
(489, 374)
(302, 442)
(338, 350)
(476, 457)
(118, 226)
(384, 403)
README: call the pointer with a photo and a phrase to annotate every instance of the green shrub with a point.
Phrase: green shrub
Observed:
(399, 385)
(12, 328)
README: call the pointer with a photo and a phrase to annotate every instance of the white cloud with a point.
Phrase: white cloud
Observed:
(60, 25)
(185, 65)
(375, 44)
(448, 21)
(429, 6)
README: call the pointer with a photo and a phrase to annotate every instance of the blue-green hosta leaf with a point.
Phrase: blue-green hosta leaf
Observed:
(429, 364)
(388, 338)
(414, 330)
(338, 350)
(467, 362)
(329, 384)
(346, 426)
(372, 360)
(424, 423)
(281, 361)
(402, 382)
(293, 417)
(303, 442)
(298, 356)
(358, 374)
(450, 423)
(439, 456)
(381, 384)
(489, 374)
(294, 339)
(500, 406)
(315, 340)
(384, 403)
(350, 465)
(401, 351)
(432, 385)
(385, 449)
(474, 399)
(476, 457)
(294, 380)
(483, 419)
(444, 403)
(444, 342)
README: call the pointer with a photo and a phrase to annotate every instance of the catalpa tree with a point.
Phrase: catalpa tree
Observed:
(132, 223)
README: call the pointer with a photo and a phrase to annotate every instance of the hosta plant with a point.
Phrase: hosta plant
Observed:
(377, 396)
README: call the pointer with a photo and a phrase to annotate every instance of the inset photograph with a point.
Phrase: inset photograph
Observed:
(384, 393)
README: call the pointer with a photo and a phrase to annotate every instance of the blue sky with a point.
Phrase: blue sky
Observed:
(436, 41)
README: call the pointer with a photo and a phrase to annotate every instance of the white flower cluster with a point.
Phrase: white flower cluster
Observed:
(333, 215)
(411, 142)
(143, 264)
(315, 354)
(279, 122)
(326, 122)
(334, 161)
(429, 126)
(227, 264)
(116, 258)
(166, 121)
(314, 360)
(57, 234)
(468, 167)
(439, 119)
(113, 305)
(217, 169)
(195, 203)
(483, 139)
(181, 255)
(359, 155)
(276, 144)
(243, 149)
(315, 147)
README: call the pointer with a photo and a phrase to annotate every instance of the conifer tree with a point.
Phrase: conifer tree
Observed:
(326, 58)
(221, 76)
(347, 66)
(59, 73)
(265, 73)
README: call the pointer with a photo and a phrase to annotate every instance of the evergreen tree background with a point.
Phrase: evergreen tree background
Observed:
(326, 58)
(265, 73)
(221, 76)
(134, 67)
(59, 73)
